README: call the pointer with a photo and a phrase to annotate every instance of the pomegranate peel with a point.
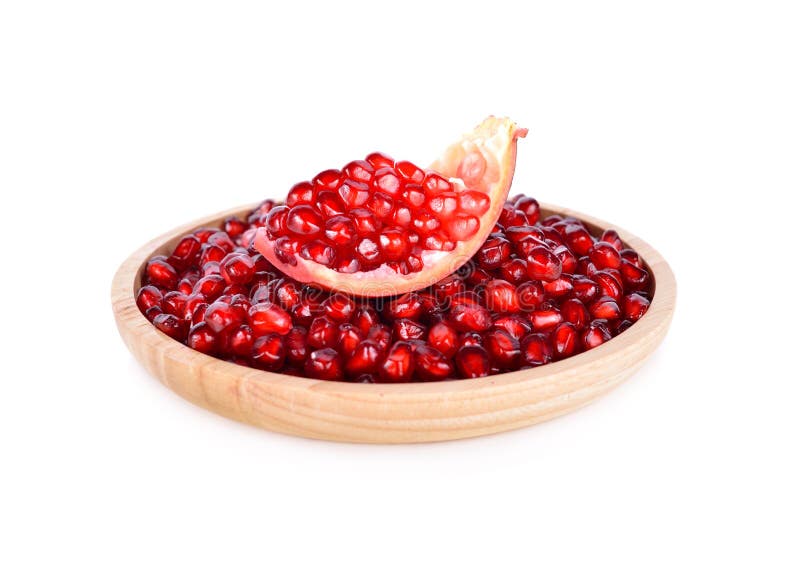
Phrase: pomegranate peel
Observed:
(409, 228)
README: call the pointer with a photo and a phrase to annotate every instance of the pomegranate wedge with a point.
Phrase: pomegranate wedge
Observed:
(380, 227)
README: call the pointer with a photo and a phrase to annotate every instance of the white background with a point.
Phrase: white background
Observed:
(678, 120)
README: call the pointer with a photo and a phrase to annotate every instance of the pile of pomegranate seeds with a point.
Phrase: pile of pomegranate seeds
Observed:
(372, 212)
(537, 291)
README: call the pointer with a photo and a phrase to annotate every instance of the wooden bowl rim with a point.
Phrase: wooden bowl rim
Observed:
(127, 281)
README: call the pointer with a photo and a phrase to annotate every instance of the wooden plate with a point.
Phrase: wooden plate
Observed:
(389, 413)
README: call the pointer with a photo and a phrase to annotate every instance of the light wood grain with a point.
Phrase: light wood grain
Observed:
(389, 413)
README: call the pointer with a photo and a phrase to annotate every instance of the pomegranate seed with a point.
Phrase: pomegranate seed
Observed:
(359, 170)
(339, 307)
(578, 239)
(610, 236)
(174, 303)
(609, 284)
(221, 316)
(472, 362)
(241, 341)
(493, 253)
(604, 255)
(406, 330)
(470, 339)
(304, 221)
(323, 333)
(431, 364)
(501, 297)
(234, 227)
(585, 290)
(399, 363)
(470, 318)
(328, 180)
(545, 318)
(365, 359)
(211, 287)
(530, 208)
(559, 287)
(503, 349)
(595, 334)
(514, 325)
(536, 349)
(147, 297)
(161, 274)
(543, 264)
(296, 345)
(170, 325)
(238, 269)
(573, 311)
(514, 271)
(634, 306)
(187, 251)
(302, 193)
(565, 340)
(267, 317)
(202, 339)
(443, 338)
(268, 352)
(635, 278)
(365, 317)
(381, 335)
(349, 338)
(531, 295)
(605, 308)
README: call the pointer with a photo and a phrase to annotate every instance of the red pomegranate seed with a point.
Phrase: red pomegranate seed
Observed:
(268, 352)
(378, 160)
(174, 303)
(241, 341)
(470, 318)
(187, 251)
(303, 193)
(399, 363)
(268, 317)
(443, 338)
(605, 308)
(604, 255)
(514, 325)
(545, 318)
(529, 207)
(365, 359)
(503, 349)
(296, 346)
(234, 227)
(565, 340)
(575, 312)
(407, 306)
(543, 264)
(365, 317)
(595, 334)
(161, 274)
(531, 295)
(329, 204)
(559, 287)
(501, 297)
(238, 269)
(634, 306)
(514, 271)
(147, 297)
(304, 221)
(610, 236)
(170, 325)
(221, 316)
(349, 338)
(328, 180)
(632, 256)
(431, 364)
(634, 277)
(585, 290)
(202, 339)
(609, 284)
(472, 362)
(578, 239)
(493, 253)
(211, 287)
(339, 307)
(536, 349)
(359, 170)
(406, 330)
(470, 339)
(323, 333)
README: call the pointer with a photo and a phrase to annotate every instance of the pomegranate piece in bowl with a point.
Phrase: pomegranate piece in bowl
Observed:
(382, 227)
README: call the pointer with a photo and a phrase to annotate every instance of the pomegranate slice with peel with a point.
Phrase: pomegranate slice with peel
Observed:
(380, 227)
